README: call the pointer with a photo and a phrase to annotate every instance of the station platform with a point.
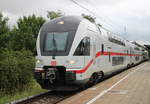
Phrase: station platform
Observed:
(128, 87)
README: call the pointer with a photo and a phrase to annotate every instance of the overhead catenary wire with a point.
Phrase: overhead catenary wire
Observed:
(90, 11)
(97, 16)
(86, 9)
(83, 7)
(108, 19)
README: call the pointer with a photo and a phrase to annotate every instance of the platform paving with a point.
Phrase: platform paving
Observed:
(129, 87)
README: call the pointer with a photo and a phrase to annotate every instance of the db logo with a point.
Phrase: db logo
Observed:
(53, 63)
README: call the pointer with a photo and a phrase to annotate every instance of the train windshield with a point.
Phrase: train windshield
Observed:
(56, 37)
(56, 41)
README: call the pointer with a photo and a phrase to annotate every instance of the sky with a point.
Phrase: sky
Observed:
(132, 16)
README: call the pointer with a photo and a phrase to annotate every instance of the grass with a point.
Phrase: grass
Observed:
(19, 95)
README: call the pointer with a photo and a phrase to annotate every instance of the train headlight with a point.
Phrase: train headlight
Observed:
(39, 63)
(71, 61)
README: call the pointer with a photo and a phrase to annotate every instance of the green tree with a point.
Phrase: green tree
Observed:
(15, 71)
(30, 24)
(89, 17)
(52, 14)
(4, 31)
(25, 34)
(3, 24)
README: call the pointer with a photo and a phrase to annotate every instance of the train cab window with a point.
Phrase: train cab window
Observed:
(83, 48)
(56, 40)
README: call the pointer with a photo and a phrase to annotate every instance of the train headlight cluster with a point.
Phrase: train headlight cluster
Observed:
(39, 62)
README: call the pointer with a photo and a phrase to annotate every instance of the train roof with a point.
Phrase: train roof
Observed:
(63, 23)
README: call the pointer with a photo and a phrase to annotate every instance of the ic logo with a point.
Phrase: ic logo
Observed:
(53, 63)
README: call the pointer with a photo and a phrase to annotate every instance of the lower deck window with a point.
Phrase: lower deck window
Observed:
(117, 60)
(137, 58)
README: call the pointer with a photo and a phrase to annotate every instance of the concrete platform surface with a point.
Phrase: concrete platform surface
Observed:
(129, 87)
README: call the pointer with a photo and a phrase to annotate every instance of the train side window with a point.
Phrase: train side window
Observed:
(83, 48)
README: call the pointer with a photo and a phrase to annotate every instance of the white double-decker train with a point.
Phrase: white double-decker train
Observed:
(72, 51)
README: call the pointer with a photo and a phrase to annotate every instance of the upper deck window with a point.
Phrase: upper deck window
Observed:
(116, 41)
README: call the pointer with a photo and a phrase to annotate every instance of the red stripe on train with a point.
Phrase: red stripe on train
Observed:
(85, 68)
(105, 54)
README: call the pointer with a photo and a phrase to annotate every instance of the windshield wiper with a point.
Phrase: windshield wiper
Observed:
(54, 47)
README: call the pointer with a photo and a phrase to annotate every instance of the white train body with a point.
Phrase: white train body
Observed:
(71, 50)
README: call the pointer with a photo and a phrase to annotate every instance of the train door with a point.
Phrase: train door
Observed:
(90, 59)
(109, 58)
(96, 49)
(82, 51)
(130, 56)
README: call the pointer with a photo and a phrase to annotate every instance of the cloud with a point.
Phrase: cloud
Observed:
(12, 18)
(113, 14)
(132, 14)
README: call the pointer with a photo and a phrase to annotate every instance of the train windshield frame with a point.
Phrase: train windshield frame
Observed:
(70, 25)
(67, 38)
(56, 41)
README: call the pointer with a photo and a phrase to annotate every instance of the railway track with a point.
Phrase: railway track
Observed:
(50, 97)
(53, 97)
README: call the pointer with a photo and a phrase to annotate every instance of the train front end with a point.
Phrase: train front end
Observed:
(54, 58)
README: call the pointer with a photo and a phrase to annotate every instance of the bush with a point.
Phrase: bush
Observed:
(16, 71)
